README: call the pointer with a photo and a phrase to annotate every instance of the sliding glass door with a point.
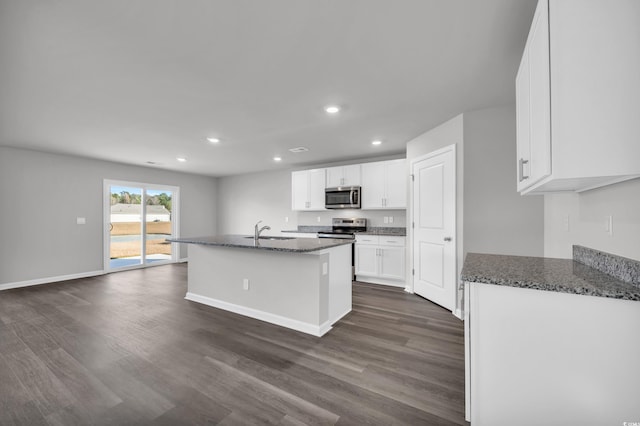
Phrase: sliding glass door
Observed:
(138, 219)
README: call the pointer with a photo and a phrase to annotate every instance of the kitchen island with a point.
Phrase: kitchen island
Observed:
(300, 283)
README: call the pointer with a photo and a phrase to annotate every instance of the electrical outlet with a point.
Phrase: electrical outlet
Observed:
(81, 221)
(325, 268)
(386, 219)
(245, 284)
(318, 219)
(286, 219)
(390, 219)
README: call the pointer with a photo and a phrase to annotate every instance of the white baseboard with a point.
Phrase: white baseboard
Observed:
(315, 330)
(48, 280)
(382, 281)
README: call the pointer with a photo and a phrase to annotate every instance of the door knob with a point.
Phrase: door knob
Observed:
(447, 239)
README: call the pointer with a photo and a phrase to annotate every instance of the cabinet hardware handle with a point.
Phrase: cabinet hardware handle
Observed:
(521, 164)
(448, 239)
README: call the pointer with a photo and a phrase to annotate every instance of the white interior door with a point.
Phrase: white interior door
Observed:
(434, 217)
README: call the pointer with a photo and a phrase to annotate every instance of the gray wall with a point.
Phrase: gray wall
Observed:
(497, 219)
(587, 212)
(44, 193)
(245, 199)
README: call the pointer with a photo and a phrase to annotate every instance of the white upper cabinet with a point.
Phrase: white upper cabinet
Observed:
(307, 189)
(578, 97)
(384, 185)
(343, 176)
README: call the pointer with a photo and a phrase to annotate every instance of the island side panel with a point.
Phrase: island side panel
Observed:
(284, 288)
(339, 282)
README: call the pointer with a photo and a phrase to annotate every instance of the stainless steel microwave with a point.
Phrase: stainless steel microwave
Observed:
(342, 197)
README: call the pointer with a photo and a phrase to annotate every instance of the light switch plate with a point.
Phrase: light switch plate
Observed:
(81, 221)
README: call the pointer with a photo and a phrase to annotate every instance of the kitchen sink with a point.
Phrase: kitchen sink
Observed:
(274, 238)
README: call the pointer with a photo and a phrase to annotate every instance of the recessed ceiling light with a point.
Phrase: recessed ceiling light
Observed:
(213, 140)
(332, 109)
(376, 143)
(277, 158)
(299, 149)
(181, 159)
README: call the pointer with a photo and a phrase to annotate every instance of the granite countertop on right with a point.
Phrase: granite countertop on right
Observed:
(622, 280)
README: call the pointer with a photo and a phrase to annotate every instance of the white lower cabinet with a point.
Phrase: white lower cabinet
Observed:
(380, 259)
(537, 357)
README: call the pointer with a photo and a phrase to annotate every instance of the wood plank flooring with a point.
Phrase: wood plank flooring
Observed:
(126, 348)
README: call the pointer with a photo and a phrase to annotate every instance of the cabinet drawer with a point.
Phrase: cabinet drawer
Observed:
(391, 241)
(368, 239)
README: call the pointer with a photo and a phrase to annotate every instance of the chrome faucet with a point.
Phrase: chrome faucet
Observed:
(256, 234)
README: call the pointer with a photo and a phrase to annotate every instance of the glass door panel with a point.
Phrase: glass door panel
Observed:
(158, 225)
(125, 226)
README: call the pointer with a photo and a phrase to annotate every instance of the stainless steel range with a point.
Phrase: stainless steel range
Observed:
(344, 228)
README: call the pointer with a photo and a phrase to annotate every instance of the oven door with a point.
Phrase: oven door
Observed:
(342, 197)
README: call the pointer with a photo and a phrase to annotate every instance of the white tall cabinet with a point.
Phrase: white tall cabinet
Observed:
(384, 185)
(307, 189)
(578, 96)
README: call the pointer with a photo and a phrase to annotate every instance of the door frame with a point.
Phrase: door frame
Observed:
(456, 228)
(106, 219)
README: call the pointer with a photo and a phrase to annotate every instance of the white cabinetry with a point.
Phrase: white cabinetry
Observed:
(384, 185)
(578, 97)
(538, 357)
(343, 176)
(307, 189)
(380, 259)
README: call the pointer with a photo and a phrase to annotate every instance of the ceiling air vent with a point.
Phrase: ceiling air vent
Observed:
(299, 149)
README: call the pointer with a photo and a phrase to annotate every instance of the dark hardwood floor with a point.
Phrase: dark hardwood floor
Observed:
(126, 348)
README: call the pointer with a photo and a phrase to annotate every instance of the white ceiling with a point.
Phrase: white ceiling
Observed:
(148, 80)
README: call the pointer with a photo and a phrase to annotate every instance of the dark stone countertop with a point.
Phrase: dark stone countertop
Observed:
(386, 231)
(308, 229)
(541, 273)
(296, 245)
(399, 232)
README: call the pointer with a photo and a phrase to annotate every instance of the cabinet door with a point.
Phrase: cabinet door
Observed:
(523, 123)
(334, 177)
(316, 187)
(540, 95)
(396, 185)
(373, 185)
(392, 262)
(299, 190)
(351, 175)
(366, 260)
